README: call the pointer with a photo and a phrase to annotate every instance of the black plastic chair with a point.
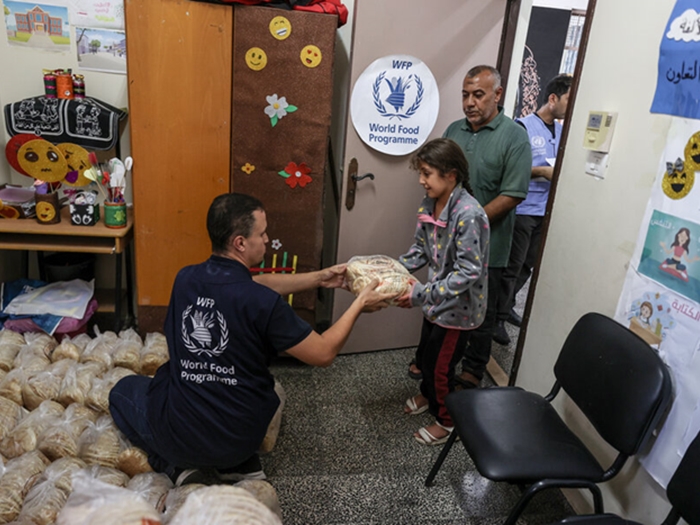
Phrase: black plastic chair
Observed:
(615, 378)
(682, 492)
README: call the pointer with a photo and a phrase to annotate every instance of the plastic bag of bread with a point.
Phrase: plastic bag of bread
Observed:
(98, 396)
(10, 344)
(67, 349)
(151, 486)
(44, 385)
(10, 414)
(108, 475)
(154, 353)
(60, 439)
(32, 360)
(77, 382)
(93, 502)
(263, 492)
(132, 461)
(11, 385)
(17, 476)
(100, 444)
(224, 505)
(42, 503)
(41, 342)
(100, 349)
(24, 437)
(393, 277)
(60, 472)
(127, 351)
(175, 499)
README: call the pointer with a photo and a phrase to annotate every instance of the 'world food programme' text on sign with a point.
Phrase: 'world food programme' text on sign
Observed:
(395, 104)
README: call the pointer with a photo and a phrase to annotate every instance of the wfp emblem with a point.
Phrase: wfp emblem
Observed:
(397, 95)
(196, 332)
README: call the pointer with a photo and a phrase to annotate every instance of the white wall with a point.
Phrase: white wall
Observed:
(595, 223)
(21, 77)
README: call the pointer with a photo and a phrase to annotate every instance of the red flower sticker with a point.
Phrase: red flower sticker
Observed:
(296, 174)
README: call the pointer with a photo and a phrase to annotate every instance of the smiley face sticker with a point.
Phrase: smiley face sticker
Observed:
(311, 56)
(256, 58)
(280, 28)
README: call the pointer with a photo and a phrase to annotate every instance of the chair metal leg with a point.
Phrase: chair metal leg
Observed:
(438, 463)
(519, 507)
(597, 498)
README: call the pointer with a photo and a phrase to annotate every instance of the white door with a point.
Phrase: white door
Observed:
(450, 37)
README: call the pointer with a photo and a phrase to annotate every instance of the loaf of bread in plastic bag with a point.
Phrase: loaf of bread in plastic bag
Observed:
(224, 505)
(393, 277)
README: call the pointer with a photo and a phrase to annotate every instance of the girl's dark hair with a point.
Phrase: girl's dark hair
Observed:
(229, 216)
(444, 155)
(687, 243)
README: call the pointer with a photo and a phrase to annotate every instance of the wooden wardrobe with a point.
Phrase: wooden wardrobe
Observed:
(191, 127)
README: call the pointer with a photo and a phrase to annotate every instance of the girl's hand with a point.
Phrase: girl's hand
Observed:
(404, 301)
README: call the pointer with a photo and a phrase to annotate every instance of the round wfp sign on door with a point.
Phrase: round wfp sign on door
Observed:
(395, 104)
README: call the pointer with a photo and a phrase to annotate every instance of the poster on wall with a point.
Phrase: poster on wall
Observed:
(101, 49)
(37, 26)
(678, 81)
(394, 104)
(660, 299)
(106, 14)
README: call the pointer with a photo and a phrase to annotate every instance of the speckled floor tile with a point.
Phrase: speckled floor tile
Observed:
(345, 454)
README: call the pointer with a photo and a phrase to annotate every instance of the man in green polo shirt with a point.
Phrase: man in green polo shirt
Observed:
(500, 159)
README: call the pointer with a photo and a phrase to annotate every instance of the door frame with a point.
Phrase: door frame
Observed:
(585, 35)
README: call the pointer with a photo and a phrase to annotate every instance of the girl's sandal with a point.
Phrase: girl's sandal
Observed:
(413, 408)
(424, 437)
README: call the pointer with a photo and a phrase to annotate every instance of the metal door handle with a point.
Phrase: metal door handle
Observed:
(365, 176)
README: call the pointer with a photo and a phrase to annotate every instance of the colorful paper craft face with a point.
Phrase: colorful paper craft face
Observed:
(12, 148)
(256, 58)
(280, 27)
(43, 161)
(311, 56)
(692, 152)
(77, 159)
(678, 179)
(45, 211)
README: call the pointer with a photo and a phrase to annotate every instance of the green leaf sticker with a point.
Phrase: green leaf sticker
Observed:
(291, 109)
(284, 174)
(274, 121)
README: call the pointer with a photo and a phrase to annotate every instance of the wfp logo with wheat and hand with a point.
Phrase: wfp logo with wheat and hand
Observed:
(394, 104)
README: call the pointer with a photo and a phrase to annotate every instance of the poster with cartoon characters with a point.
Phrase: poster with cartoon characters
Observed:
(660, 300)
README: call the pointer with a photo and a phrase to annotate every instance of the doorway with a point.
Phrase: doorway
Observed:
(549, 39)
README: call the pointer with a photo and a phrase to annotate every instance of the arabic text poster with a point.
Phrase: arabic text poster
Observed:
(671, 254)
(678, 82)
(101, 49)
(105, 14)
(37, 26)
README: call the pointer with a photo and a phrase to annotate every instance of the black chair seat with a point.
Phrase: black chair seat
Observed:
(533, 442)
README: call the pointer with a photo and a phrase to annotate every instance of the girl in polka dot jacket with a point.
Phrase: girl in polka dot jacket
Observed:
(452, 238)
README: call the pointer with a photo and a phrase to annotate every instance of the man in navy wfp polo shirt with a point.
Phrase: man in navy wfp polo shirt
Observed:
(203, 416)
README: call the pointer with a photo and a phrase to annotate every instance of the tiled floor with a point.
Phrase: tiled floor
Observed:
(346, 455)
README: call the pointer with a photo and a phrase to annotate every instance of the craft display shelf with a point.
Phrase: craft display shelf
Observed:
(29, 235)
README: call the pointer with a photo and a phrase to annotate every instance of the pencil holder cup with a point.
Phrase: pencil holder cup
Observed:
(48, 210)
(115, 214)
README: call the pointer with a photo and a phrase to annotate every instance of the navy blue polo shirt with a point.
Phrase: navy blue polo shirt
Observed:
(211, 404)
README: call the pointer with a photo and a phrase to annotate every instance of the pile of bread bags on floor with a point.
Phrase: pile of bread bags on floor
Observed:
(62, 459)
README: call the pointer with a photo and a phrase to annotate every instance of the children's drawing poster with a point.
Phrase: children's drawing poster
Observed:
(678, 82)
(660, 299)
(107, 14)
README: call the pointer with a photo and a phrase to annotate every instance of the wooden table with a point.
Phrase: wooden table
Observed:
(28, 234)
